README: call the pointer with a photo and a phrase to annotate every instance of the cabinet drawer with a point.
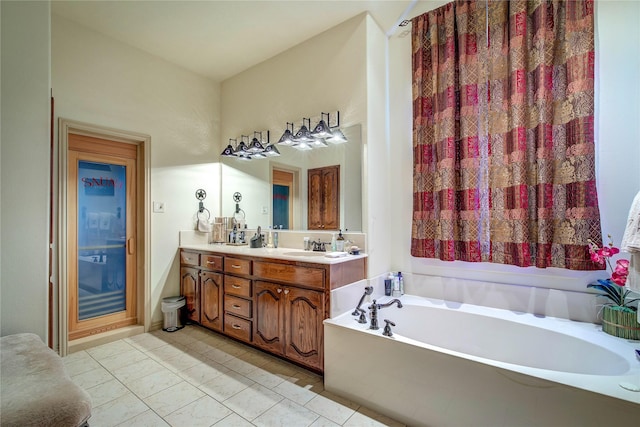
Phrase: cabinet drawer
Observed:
(237, 286)
(296, 275)
(189, 258)
(237, 327)
(211, 262)
(237, 266)
(237, 306)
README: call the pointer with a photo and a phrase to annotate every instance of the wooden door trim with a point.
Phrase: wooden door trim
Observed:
(142, 146)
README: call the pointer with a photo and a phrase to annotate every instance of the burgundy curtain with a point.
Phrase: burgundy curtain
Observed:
(504, 159)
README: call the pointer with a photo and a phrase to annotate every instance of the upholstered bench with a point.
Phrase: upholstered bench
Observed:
(35, 389)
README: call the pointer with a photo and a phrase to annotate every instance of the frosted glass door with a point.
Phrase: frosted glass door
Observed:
(102, 207)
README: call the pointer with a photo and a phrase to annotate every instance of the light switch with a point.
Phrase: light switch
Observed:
(158, 207)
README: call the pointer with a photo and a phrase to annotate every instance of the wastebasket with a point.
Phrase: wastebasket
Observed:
(170, 308)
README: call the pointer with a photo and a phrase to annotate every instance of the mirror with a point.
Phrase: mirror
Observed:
(253, 179)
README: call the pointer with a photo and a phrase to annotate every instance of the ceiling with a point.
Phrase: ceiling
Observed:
(219, 39)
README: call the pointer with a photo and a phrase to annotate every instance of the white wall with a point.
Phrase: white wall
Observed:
(331, 71)
(617, 142)
(25, 167)
(99, 80)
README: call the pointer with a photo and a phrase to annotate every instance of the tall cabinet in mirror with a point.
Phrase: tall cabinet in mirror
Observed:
(323, 204)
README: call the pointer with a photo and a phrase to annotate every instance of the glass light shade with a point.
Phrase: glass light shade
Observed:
(241, 149)
(258, 156)
(271, 151)
(303, 135)
(303, 146)
(255, 146)
(244, 157)
(319, 143)
(338, 137)
(322, 130)
(287, 138)
(228, 152)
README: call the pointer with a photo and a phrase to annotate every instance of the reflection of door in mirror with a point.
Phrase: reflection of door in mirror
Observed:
(282, 190)
(324, 198)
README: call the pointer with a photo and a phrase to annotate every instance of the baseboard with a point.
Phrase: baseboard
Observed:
(104, 338)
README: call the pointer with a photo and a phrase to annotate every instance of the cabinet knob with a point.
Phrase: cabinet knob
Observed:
(279, 290)
(286, 291)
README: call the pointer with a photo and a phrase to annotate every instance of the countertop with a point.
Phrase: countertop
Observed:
(275, 253)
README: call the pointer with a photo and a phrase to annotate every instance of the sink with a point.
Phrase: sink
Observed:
(304, 253)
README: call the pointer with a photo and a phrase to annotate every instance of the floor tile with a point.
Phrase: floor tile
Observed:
(80, 365)
(137, 370)
(117, 411)
(154, 383)
(145, 342)
(194, 377)
(234, 420)
(183, 361)
(145, 419)
(106, 392)
(285, 414)
(175, 397)
(92, 378)
(110, 349)
(301, 394)
(240, 366)
(226, 385)
(332, 407)
(201, 413)
(323, 422)
(253, 401)
(203, 372)
(367, 417)
(265, 378)
(123, 359)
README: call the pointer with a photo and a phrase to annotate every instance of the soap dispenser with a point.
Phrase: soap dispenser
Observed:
(340, 242)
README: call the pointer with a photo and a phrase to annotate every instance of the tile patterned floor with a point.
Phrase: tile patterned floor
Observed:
(194, 377)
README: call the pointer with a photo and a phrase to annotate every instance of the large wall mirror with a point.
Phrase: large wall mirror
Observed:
(282, 183)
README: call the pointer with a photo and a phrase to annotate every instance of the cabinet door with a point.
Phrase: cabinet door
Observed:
(331, 197)
(190, 289)
(267, 319)
(323, 198)
(303, 316)
(314, 200)
(211, 300)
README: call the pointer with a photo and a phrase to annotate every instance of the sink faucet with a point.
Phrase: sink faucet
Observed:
(374, 311)
(319, 246)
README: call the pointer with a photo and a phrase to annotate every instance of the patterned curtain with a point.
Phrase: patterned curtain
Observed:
(504, 159)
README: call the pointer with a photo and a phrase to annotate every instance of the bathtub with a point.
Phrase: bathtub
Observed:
(452, 364)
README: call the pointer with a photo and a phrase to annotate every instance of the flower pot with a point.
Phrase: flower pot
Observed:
(620, 322)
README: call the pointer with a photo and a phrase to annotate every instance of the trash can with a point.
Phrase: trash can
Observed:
(170, 308)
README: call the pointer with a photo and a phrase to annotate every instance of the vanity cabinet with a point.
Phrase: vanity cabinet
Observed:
(288, 321)
(238, 298)
(273, 304)
(323, 198)
(201, 283)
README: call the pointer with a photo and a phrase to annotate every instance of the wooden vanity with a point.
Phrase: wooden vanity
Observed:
(273, 299)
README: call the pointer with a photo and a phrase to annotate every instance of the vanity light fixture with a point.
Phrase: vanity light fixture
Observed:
(303, 134)
(287, 137)
(256, 149)
(322, 129)
(229, 151)
(337, 137)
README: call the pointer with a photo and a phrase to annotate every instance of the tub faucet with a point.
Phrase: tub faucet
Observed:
(374, 311)
(367, 291)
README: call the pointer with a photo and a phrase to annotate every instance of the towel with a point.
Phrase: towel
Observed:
(631, 243)
(631, 237)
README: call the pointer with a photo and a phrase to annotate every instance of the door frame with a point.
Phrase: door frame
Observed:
(143, 250)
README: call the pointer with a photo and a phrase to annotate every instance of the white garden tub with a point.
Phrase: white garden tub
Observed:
(462, 365)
